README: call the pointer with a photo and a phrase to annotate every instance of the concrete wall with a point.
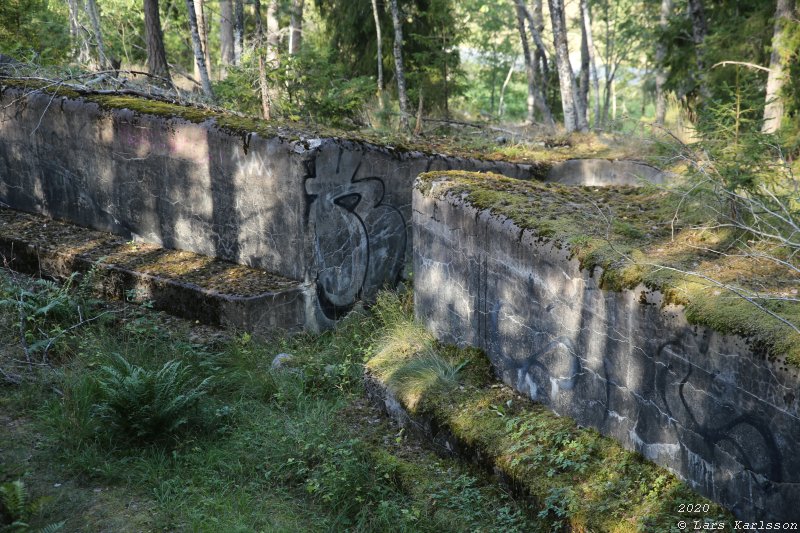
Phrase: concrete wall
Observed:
(332, 213)
(702, 404)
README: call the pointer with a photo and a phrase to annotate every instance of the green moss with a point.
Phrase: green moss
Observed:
(176, 265)
(574, 475)
(628, 232)
(539, 155)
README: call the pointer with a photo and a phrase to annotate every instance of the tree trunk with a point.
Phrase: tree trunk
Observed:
(156, 55)
(200, 14)
(540, 57)
(583, 74)
(699, 30)
(501, 105)
(535, 96)
(586, 15)
(197, 47)
(398, 65)
(94, 18)
(661, 72)
(226, 32)
(296, 30)
(773, 110)
(574, 116)
(380, 48)
(77, 31)
(266, 103)
(238, 31)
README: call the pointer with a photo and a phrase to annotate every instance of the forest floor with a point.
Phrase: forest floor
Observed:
(103, 436)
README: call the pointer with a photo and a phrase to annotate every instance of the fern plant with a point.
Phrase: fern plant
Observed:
(149, 405)
(16, 509)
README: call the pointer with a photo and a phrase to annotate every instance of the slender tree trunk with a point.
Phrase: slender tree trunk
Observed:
(530, 68)
(586, 15)
(156, 55)
(380, 47)
(537, 30)
(296, 30)
(398, 65)
(661, 69)
(94, 18)
(501, 105)
(699, 30)
(238, 31)
(535, 96)
(200, 15)
(78, 33)
(226, 32)
(197, 47)
(773, 110)
(583, 74)
(266, 104)
(574, 116)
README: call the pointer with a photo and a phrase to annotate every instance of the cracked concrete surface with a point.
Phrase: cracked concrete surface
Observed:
(702, 404)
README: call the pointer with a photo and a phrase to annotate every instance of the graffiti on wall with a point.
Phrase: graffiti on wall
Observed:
(359, 242)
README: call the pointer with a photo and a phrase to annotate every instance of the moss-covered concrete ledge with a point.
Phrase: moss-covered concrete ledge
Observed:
(516, 269)
(189, 285)
(575, 479)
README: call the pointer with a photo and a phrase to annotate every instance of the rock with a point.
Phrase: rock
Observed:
(500, 139)
(281, 361)
(330, 370)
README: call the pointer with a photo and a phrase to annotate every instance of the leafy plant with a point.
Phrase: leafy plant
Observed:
(149, 405)
(17, 509)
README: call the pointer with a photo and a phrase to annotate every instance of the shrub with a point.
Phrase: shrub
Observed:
(149, 405)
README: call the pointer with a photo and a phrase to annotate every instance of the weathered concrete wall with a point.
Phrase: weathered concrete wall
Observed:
(332, 213)
(697, 402)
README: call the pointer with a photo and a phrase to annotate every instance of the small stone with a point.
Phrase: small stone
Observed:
(281, 360)
(501, 139)
(330, 370)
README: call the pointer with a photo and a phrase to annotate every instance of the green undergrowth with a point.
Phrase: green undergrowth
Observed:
(480, 145)
(578, 479)
(633, 236)
(144, 422)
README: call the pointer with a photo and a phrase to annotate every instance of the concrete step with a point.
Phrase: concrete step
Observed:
(186, 284)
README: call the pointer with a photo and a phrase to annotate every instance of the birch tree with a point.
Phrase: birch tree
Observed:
(197, 48)
(574, 116)
(400, 75)
(78, 33)
(376, 15)
(773, 110)
(200, 15)
(94, 18)
(535, 95)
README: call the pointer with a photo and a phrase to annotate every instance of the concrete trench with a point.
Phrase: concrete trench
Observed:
(336, 219)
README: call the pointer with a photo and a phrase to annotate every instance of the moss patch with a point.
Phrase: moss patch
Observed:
(630, 233)
(177, 265)
(579, 480)
(538, 153)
